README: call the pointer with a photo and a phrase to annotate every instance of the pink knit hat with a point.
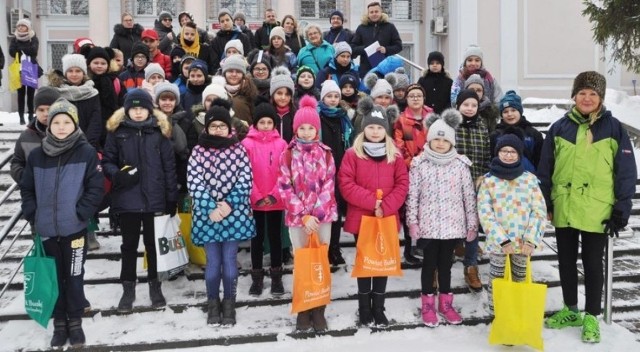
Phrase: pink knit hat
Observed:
(307, 113)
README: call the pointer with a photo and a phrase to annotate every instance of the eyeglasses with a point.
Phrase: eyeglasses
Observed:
(415, 97)
(219, 127)
(508, 152)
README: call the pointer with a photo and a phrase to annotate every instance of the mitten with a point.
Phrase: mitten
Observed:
(615, 223)
(171, 208)
(414, 231)
(127, 177)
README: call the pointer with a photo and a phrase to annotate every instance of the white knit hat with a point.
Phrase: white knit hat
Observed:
(281, 77)
(382, 87)
(151, 69)
(74, 60)
(277, 32)
(215, 88)
(166, 87)
(329, 86)
(235, 43)
(473, 50)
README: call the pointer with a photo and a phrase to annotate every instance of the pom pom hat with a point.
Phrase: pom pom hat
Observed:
(307, 113)
(443, 126)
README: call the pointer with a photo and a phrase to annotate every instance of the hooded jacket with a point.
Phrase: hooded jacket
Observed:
(367, 33)
(29, 140)
(148, 148)
(261, 36)
(410, 135)
(124, 38)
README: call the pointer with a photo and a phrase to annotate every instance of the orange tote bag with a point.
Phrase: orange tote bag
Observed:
(378, 248)
(311, 276)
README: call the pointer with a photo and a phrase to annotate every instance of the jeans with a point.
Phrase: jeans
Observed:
(471, 253)
(221, 265)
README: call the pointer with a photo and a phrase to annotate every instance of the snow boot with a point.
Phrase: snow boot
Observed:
(229, 311)
(213, 312)
(303, 321)
(378, 309)
(472, 278)
(155, 293)
(319, 321)
(60, 333)
(257, 282)
(76, 335)
(364, 309)
(335, 256)
(277, 289)
(92, 241)
(429, 316)
(445, 308)
(128, 296)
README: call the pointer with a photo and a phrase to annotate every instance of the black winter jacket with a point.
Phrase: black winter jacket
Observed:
(29, 140)
(124, 38)
(221, 39)
(437, 87)
(166, 44)
(367, 33)
(261, 36)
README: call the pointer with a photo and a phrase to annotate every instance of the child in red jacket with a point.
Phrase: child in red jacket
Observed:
(372, 164)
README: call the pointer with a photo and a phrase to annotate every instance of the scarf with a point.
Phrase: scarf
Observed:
(282, 110)
(217, 142)
(439, 158)
(24, 37)
(52, 146)
(375, 150)
(40, 128)
(104, 86)
(196, 89)
(578, 117)
(338, 113)
(232, 89)
(200, 117)
(506, 171)
(78, 93)
(148, 123)
(352, 99)
(190, 47)
(468, 122)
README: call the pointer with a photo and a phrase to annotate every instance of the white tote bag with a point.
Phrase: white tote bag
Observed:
(171, 250)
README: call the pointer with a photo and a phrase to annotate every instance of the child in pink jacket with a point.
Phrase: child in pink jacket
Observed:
(441, 209)
(306, 184)
(264, 147)
(372, 164)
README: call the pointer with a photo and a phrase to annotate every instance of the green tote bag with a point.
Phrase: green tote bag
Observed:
(40, 284)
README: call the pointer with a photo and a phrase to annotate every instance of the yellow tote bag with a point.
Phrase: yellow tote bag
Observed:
(14, 75)
(519, 310)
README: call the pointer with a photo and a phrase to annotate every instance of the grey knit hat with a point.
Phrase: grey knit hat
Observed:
(277, 32)
(152, 69)
(281, 77)
(329, 86)
(474, 78)
(74, 60)
(235, 43)
(167, 87)
(444, 126)
(240, 15)
(341, 47)
(236, 62)
(372, 114)
(473, 50)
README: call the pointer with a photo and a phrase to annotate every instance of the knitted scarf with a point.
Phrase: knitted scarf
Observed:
(24, 36)
(190, 47)
(107, 94)
(78, 93)
(338, 113)
(217, 142)
(52, 146)
(375, 150)
(439, 158)
(505, 171)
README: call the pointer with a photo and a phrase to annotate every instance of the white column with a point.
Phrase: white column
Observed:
(463, 30)
(100, 31)
(509, 44)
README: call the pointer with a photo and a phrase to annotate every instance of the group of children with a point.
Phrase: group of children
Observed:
(302, 161)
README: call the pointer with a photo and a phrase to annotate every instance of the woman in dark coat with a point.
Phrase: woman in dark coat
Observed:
(125, 34)
(24, 42)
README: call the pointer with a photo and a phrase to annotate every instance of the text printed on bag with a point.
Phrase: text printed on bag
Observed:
(166, 245)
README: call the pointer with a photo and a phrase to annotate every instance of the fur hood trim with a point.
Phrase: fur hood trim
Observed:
(365, 19)
(118, 116)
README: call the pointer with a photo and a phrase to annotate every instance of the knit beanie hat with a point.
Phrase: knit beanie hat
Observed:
(224, 12)
(464, 95)
(373, 114)
(264, 109)
(589, 80)
(280, 78)
(137, 97)
(165, 14)
(219, 111)
(302, 69)
(80, 42)
(185, 13)
(24, 22)
(45, 96)
(140, 48)
(437, 56)
(341, 47)
(474, 78)
(215, 88)
(444, 125)
(235, 43)
(259, 57)
(349, 78)
(240, 15)
(234, 62)
(151, 69)
(166, 87)
(63, 106)
(99, 52)
(510, 140)
(379, 86)
(74, 60)
(198, 64)
(337, 13)
(307, 113)
(415, 86)
(511, 100)
(473, 50)
(277, 31)
(329, 86)
(401, 78)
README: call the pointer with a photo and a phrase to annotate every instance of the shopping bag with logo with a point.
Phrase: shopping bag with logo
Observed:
(519, 310)
(378, 248)
(40, 284)
(311, 276)
(196, 254)
(14, 75)
(171, 251)
(29, 72)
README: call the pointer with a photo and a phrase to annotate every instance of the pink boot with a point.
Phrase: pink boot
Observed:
(445, 308)
(429, 316)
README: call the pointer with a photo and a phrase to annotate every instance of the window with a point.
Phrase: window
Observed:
(154, 7)
(402, 9)
(68, 7)
(56, 50)
(252, 9)
(318, 8)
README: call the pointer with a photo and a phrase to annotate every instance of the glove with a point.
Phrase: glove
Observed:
(127, 177)
(414, 231)
(171, 208)
(615, 223)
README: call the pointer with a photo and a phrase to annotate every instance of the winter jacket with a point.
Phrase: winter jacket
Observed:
(60, 194)
(147, 147)
(261, 37)
(410, 134)
(316, 57)
(181, 82)
(180, 149)
(492, 89)
(533, 141)
(166, 44)
(288, 60)
(332, 72)
(502, 221)
(29, 140)
(193, 95)
(131, 77)
(165, 62)
(205, 54)
(216, 175)
(243, 100)
(369, 32)
(286, 125)
(111, 92)
(222, 38)
(472, 140)
(29, 47)
(489, 114)
(338, 34)
(583, 181)
(295, 42)
(124, 38)
(264, 149)
(437, 87)
(307, 183)
(442, 198)
(359, 179)
(252, 40)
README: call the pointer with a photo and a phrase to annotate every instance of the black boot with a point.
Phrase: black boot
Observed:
(76, 335)
(303, 321)
(60, 333)
(335, 255)
(213, 312)
(22, 119)
(229, 311)
(277, 289)
(155, 293)
(128, 296)
(364, 308)
(257, 282)
(319, 321)
(378, 309)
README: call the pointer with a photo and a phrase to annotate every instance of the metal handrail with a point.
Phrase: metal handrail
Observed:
(6, 158)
